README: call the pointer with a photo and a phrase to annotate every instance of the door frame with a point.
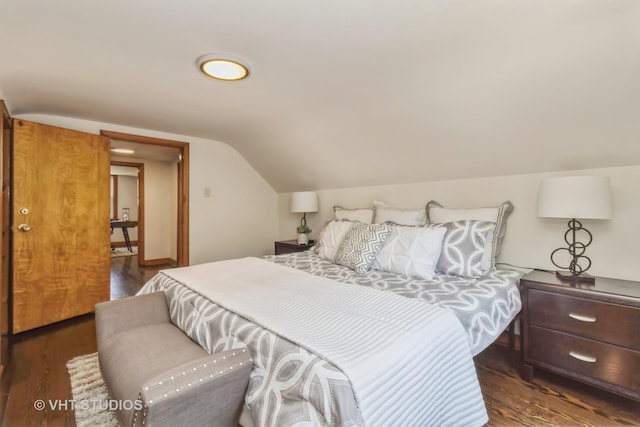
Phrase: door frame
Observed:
(140, 216)
(5, 218)
(183, 186)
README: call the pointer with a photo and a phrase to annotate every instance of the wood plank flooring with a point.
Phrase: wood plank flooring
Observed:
(36, 369)
(127, 277)
(549, 400)
(35, 365)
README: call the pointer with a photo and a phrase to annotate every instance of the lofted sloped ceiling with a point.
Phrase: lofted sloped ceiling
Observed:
(345, 93)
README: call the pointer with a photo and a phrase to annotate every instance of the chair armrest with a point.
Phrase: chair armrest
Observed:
(207, 391)
(113, 317)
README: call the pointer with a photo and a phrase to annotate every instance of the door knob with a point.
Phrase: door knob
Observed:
(24, 228)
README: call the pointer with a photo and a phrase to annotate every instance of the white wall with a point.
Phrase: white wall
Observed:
(161, 207)
(239, 218)
(160, 210)
(615, 251)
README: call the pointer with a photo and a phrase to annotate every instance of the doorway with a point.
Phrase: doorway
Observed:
(178, 151)
(126, 209)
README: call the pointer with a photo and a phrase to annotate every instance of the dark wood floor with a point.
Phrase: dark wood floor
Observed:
(549, 400)
(36, 369)
(35, 361)
(127, 277)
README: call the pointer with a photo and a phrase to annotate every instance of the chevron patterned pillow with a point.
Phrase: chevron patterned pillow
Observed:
(361, 245)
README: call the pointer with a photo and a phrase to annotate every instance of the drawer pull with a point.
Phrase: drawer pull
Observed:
(582, 318)
(582, 357)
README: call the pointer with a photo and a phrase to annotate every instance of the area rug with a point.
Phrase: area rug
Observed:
(89, 393)
(118, 252)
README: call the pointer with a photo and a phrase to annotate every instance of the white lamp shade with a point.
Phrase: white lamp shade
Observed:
(580, 197)
(304, 201)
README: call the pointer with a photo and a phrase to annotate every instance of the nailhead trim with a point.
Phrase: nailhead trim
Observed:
(195, 368)
(135, 413)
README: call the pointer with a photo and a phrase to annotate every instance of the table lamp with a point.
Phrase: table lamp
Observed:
(305, 202)
(575, 197)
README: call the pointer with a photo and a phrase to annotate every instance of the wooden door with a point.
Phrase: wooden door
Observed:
(60, 227)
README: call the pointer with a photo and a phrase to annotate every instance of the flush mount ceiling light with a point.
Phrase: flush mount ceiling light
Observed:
(122, 151)
(223, 67)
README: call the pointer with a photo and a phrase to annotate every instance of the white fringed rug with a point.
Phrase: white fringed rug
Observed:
(88, 390)
(120, 252)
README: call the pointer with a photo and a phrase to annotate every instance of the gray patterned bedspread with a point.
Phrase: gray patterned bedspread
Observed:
(292, 386)
(484, 306)
(288, 385)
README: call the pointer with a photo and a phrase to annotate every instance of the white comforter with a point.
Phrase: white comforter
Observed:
(398, 353)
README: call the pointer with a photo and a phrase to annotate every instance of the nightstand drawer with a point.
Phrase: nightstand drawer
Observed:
(609, 323)
(589, 359)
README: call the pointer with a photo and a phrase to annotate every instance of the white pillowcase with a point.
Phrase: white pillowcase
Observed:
(384, 213)
(412, 251)
(331, 237)
(364, 215)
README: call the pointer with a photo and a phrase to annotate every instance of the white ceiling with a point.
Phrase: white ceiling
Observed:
(346, 93)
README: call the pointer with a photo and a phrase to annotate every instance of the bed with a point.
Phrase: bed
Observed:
(485, 306)
(341, 344)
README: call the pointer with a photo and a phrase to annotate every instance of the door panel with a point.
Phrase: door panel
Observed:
(61, 257)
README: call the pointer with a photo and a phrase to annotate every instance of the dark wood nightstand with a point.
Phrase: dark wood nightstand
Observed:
(289, 246)
(587, 332)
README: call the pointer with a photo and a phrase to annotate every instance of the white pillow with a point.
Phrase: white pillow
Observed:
(364, 215)
(384, 213)
(331, 237)
(437, 214)
(412, 251)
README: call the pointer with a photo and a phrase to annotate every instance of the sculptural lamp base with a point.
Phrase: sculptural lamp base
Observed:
(576, 249)
(567, 276)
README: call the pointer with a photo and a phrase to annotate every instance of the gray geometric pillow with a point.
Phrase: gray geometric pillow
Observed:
(361, 245)
(436, 213)
(463, 248)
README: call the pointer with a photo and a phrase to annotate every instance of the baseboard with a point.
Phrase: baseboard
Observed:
(159, 261)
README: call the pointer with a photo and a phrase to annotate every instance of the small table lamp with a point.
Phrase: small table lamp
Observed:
(583, 197)
(304, 201)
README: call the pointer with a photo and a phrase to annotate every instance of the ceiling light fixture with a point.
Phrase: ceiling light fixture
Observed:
(223, 67)
(122, 151)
